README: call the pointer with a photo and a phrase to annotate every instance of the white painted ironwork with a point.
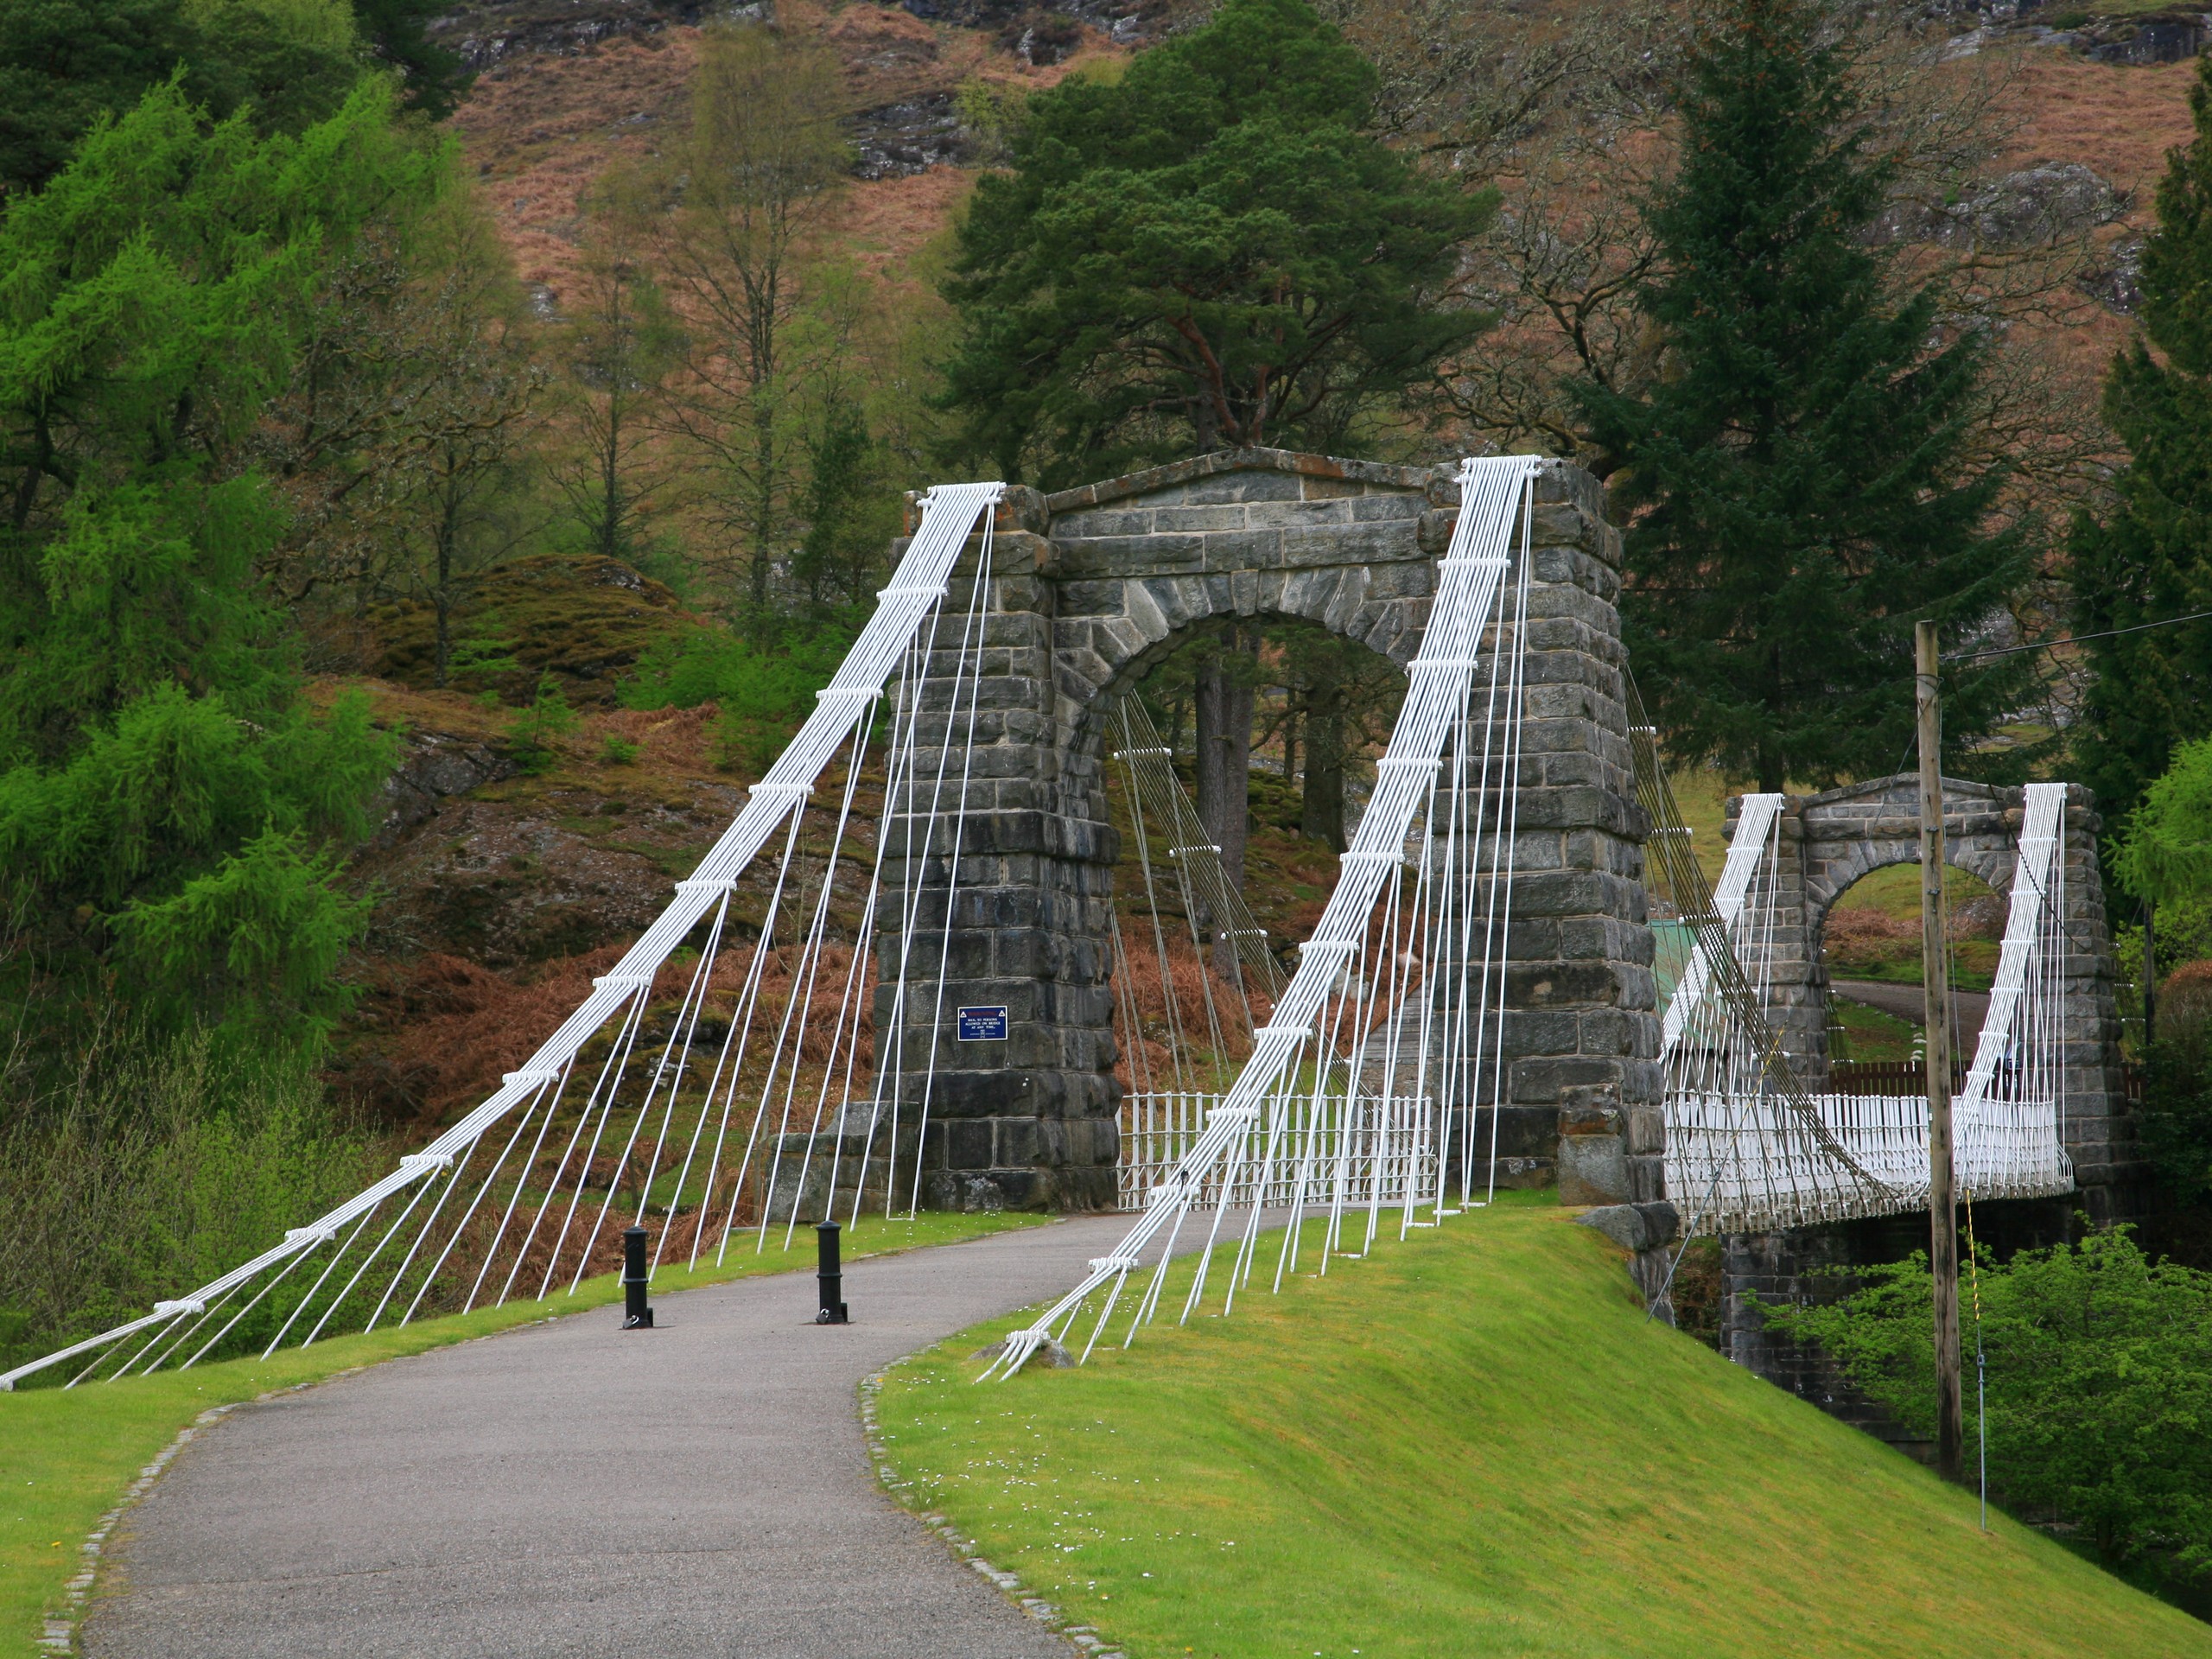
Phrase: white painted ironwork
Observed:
(1745, 1153)
(1404, 976)
(636, 1100)
(721, 1072)
(1380, 1151)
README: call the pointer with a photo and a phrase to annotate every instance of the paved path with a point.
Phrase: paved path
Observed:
(1905, 1002)
(569, 1489)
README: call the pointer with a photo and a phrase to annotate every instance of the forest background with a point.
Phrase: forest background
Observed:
(442, 454)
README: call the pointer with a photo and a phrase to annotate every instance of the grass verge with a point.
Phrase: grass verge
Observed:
(1473, 1444)
(1871, 1034)
(67, 1457)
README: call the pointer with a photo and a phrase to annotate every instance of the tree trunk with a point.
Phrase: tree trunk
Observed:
(610, 481)
(764, 503)
(1773, 770)
(1225, 763)
(1321, 813)
(447, 532)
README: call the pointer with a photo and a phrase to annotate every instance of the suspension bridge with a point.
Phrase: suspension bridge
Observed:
(904, 977)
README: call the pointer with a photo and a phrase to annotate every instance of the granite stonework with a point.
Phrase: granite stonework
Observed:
(1088, 589)
(1007, 904)
(1828, 842)
(1825, 843)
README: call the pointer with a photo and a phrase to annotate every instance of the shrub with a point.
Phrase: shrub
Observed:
(618, 751)
(157, 1165)
(762, 689)
(2099, 1377)
(2175, 1121)
(540, 725)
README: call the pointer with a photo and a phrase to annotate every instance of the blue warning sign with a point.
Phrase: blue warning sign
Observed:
(982, 1025)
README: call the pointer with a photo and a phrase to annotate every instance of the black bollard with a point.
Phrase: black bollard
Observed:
(636, 1316)
(829, 1276)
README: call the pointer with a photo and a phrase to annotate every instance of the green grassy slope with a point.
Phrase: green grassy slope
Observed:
(66, 1458)
(1472, 1443)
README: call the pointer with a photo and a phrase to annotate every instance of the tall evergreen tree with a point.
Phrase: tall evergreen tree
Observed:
(168, 802)
(1795, 482)
(2149, 557)
(433, 76)
(1207, 253)
(285, 64)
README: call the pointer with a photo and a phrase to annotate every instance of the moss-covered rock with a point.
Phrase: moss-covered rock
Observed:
(586, 619)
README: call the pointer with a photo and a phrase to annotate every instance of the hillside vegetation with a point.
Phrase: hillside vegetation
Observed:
(1473, 1443)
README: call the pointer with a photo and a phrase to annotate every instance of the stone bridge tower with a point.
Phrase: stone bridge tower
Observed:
(1088, 590)
(1824, 842)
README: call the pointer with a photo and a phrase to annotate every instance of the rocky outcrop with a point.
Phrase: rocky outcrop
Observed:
(2045, 203)
(2116, 283)
(436, 766)
(506, 883)
(484, 35)
(2136, 38)
(896, 140)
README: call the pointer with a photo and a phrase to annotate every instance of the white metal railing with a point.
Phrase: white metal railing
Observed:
(1722, 1157)
(1367, 1151)
(1740, 1158)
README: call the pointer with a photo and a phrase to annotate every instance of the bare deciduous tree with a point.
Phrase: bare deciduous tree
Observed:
(619, 345)
(762, 162)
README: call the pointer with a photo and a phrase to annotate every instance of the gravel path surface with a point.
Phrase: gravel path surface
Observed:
(570, 1489)
(1904, 1003)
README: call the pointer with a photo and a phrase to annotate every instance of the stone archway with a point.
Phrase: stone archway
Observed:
(1138, 560)
(1088, 587)
(1828, 840)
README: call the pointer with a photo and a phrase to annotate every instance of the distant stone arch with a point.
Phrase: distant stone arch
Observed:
(1829, 841)
(1138, 560)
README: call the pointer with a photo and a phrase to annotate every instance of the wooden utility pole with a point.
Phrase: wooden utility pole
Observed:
(1935, 962)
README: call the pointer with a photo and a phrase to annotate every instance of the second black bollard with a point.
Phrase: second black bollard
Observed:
(829, 1276)
(636, 1315)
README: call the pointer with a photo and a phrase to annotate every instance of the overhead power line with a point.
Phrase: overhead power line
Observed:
(2072, 639)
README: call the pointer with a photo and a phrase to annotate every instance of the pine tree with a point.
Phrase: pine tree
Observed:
(1208, 253)
(2150, 557)
(1796, 483)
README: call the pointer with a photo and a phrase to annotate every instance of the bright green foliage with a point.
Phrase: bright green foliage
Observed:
(143, 587)
(2174, 1125)
(851, 512)
(151, 296)
(2165, 855)
(1208, 252)
(762, 690)
(164, 795)
(156, 1165)
(1795, 480)
(2150, 557)
(64, 64)
(537, 731)
(180, 777)
(2098, 1364)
